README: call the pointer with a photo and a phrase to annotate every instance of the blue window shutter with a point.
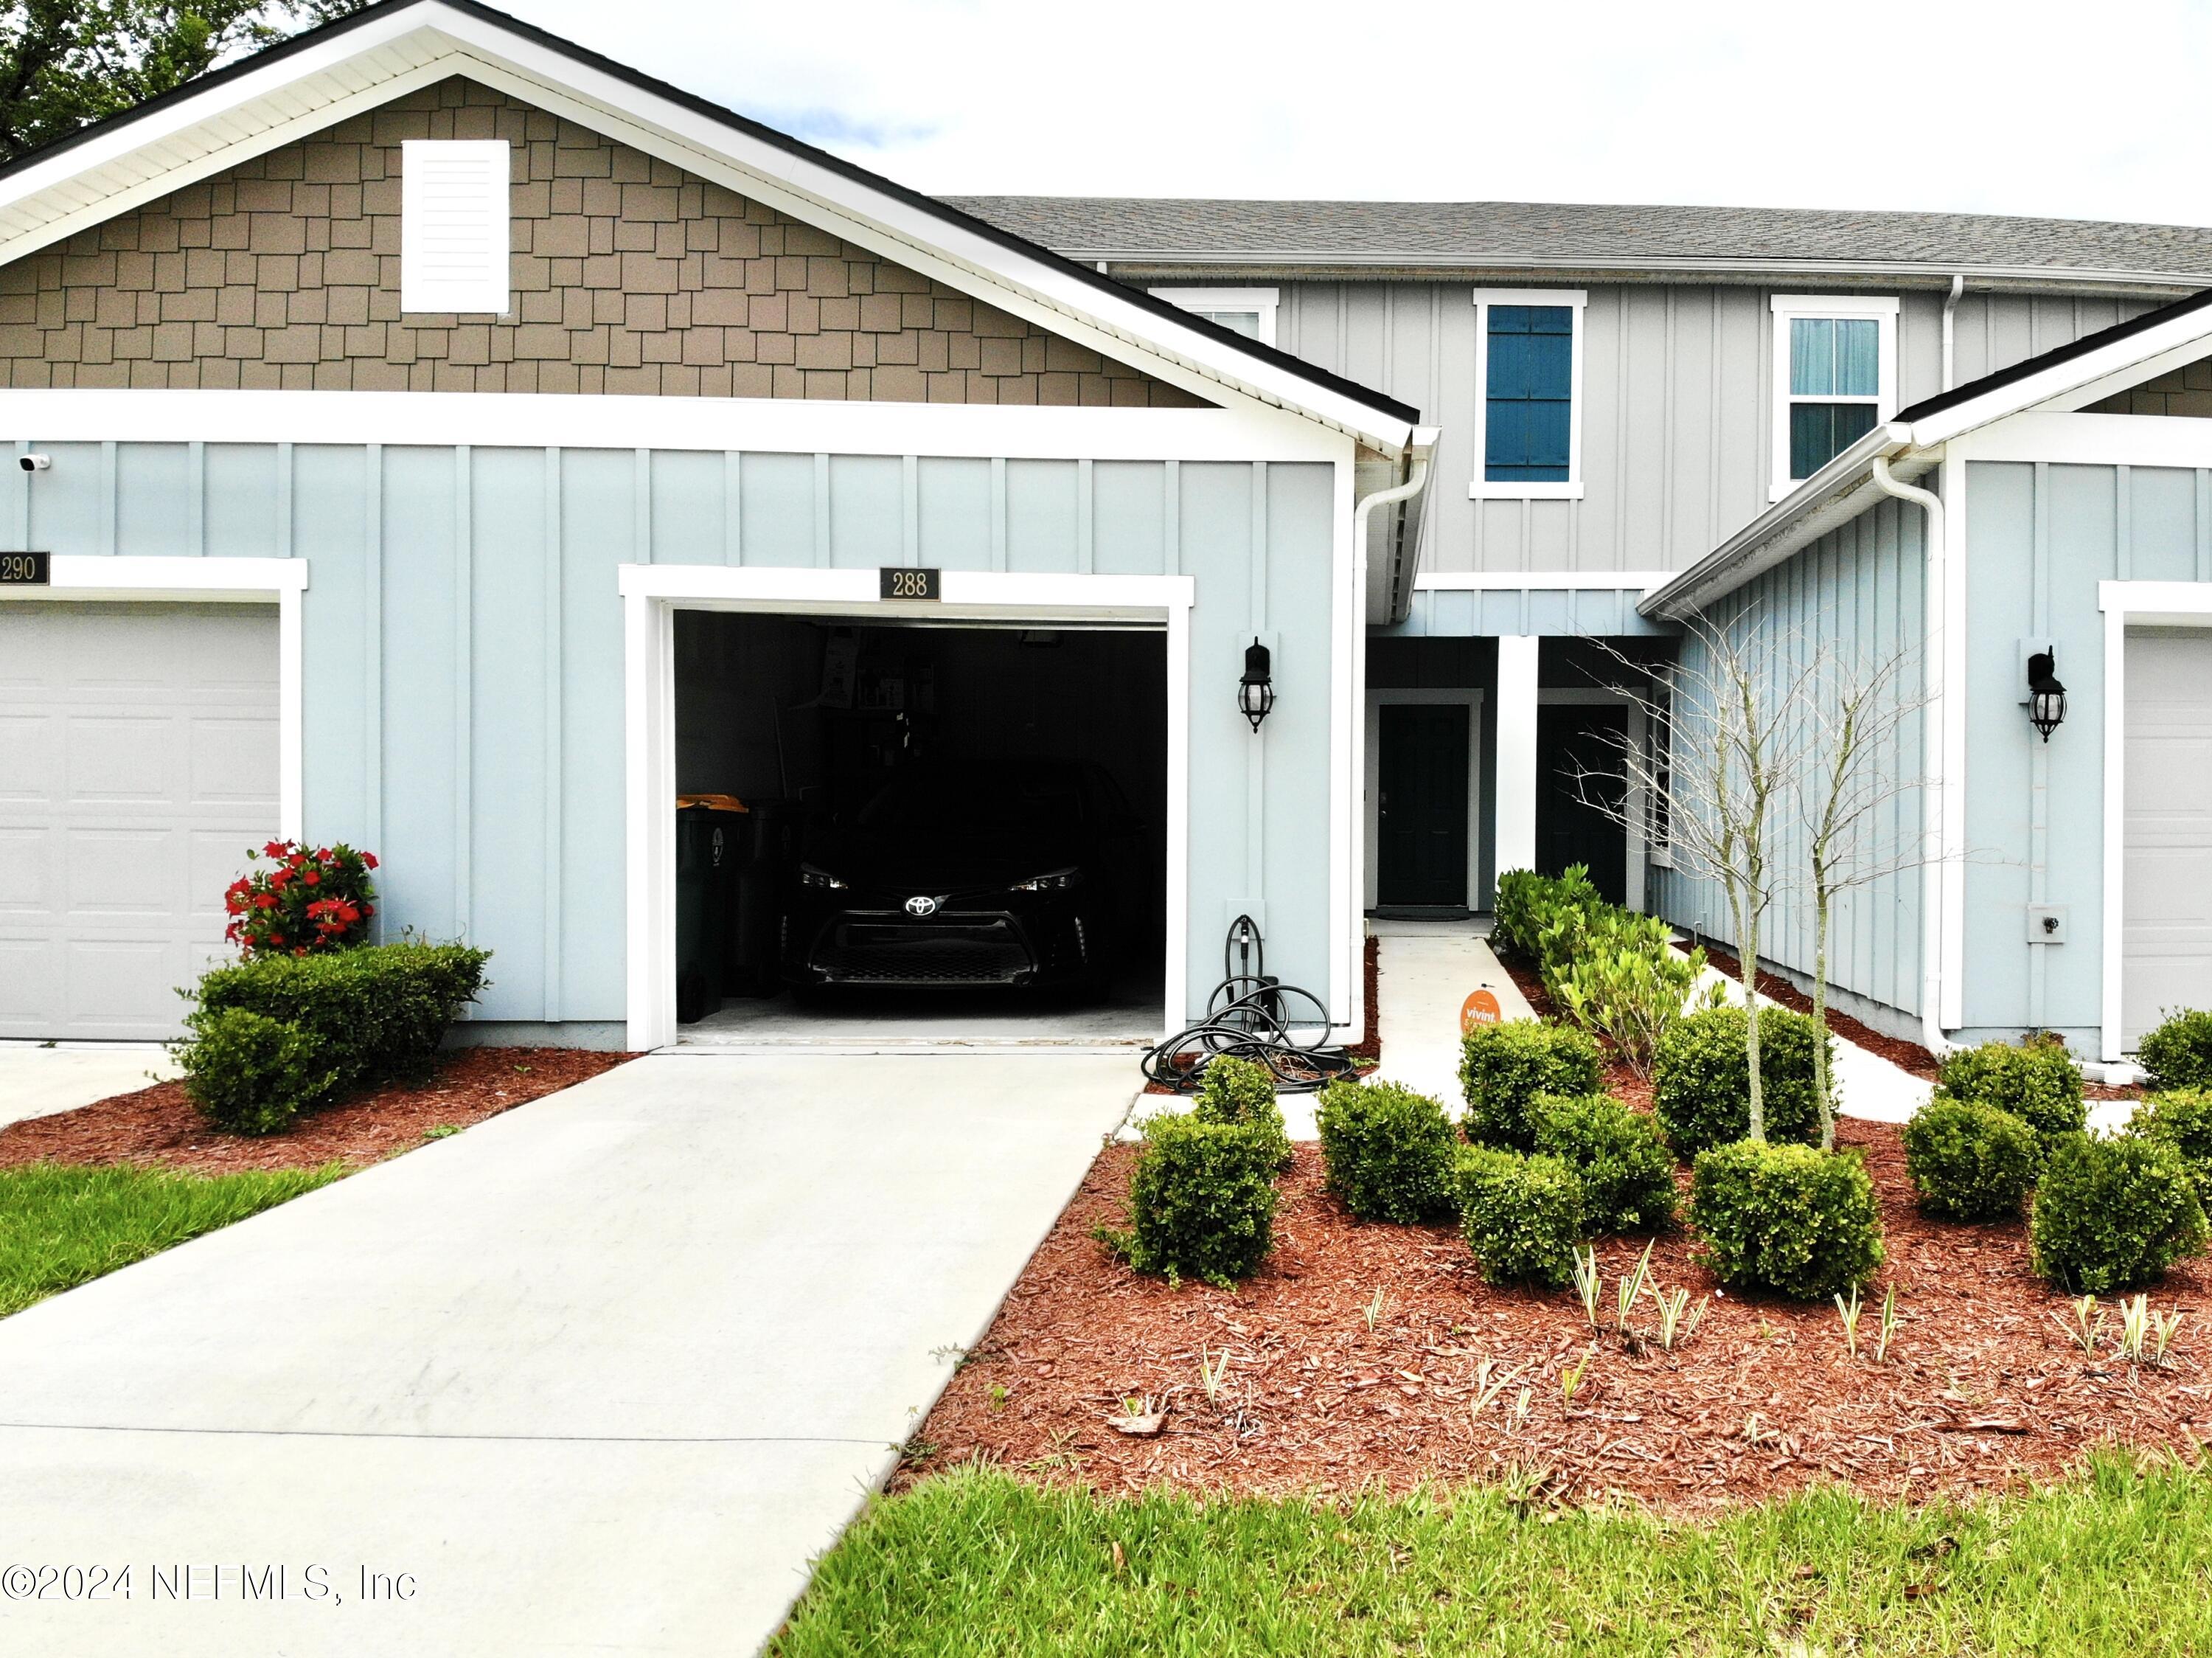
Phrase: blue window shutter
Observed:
(1528, 393)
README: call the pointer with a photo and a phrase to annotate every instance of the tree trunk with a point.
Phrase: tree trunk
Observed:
(1821, 1081)
(1749, 965)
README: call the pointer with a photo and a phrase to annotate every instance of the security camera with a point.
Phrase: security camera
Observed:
(35, 463)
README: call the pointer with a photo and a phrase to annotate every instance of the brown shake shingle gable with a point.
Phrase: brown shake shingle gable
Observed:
(629, 275)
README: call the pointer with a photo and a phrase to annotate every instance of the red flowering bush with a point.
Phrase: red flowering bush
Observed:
(304, 900)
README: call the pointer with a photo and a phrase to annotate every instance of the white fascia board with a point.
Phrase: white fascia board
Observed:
(2079, 379)
(569, 420)
(1835, 495)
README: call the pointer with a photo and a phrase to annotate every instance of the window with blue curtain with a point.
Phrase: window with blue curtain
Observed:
(1527, 402)
(1835, 387)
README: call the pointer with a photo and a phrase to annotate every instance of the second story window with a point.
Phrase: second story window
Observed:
(1247, 311)
(1528, 368)
(1835, 370)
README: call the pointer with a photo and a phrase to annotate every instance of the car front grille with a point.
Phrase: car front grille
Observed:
(949, 949)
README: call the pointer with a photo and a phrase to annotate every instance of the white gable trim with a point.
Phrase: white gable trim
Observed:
(370, 63)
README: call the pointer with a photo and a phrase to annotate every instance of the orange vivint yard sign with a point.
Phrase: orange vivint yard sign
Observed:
(1479, 1009)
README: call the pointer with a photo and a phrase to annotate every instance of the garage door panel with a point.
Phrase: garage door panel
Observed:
(2166, 953)
(125, 984)
(232, 760)
(28, 856)
(137, 763)
(123, 873)
(28, 745)
(114, 758)
(30, 983)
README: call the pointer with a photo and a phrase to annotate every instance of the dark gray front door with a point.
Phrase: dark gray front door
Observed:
(1579, 790)
(1421, 859)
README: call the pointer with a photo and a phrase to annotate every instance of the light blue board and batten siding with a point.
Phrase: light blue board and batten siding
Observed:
(491, 572)
(2038, 539)
(1678, 417)
(1860, 591)
(1552, 612)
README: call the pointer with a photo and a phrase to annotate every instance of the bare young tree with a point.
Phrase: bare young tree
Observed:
(1857, 716)
(1725, 763)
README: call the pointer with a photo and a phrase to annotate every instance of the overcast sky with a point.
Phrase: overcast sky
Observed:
(2076, 110)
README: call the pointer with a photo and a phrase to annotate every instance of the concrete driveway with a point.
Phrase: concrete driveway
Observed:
(602, 1374)
(37, 1080)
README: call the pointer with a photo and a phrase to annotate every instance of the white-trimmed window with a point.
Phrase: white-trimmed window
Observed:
(1528, 401)
(1247, 311)
(1835, 377)
(453, 224)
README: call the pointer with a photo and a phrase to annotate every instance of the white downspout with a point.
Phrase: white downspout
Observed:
(1950, 305)
(1423, 448)
(1931, 804)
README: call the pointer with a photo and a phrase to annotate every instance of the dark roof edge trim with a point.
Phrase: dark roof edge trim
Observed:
(2052, 358)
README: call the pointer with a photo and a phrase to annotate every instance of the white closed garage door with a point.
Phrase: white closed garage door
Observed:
(2169, 892)
(137, 764)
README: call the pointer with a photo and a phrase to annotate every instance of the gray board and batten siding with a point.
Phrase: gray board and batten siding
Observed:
(1860, 592)
(463, 650)
(1678, 405)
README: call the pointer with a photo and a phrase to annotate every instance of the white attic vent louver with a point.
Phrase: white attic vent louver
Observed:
(453, 224)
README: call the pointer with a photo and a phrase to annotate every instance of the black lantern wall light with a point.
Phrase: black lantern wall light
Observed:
(2046, 696)
(1255, 691)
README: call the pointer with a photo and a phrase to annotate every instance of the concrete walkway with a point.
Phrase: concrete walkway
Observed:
(37, 1080)
(1425, 972)
(602, 1374)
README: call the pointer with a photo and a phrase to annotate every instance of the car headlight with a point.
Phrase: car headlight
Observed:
(811, 876)
(1059, 881)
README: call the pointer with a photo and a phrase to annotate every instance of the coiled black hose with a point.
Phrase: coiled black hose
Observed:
(1248, 1017)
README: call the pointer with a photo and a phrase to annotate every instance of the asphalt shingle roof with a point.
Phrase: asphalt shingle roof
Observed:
(1535, 233)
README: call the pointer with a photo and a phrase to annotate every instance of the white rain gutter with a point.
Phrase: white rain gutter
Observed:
(1405, 558)
(1931, 792)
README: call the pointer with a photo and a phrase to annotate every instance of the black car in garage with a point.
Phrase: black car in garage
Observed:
(1013, 873)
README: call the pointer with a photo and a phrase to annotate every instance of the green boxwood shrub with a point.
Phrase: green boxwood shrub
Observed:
(1522, 1216)
(1243, 1092)
(1527, 904)
(2113, 1214)
(1787, 1218)
(1388, 1150)
(1969, 1162)
(1619, 1155)
(2182, 1119)
(1701, 1078)
(1505, 1066)
(2036, 1080)
(279, 1035)
(1201, 1201)
(2178, 1054)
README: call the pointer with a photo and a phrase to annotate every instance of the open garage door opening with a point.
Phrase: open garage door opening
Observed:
(917, 832)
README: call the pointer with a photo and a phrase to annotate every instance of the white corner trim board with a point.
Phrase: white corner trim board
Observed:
(759, 425)
(651, 594)
(80, 576)
(2125, 605)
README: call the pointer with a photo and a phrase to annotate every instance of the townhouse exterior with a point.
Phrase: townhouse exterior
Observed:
(440, 437)
(1716, 360)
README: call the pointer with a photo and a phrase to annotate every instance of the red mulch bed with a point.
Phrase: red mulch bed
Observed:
(159, 1125)
(1980, 1389)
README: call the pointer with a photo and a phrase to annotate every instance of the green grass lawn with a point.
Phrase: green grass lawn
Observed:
(62, 1225)
(978, 1564)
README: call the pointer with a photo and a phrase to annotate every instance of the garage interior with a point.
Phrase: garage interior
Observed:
(875, 763)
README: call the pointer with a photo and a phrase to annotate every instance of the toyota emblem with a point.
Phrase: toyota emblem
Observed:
(922, 905)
